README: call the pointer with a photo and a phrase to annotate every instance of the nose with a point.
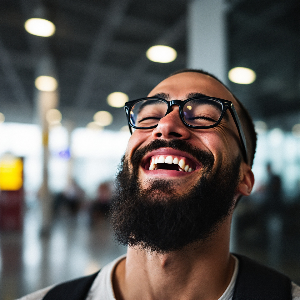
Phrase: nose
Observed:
(171, 126)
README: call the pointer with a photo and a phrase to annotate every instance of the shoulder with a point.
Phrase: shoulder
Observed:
(262, 282)
(38, 295)
(295, 291)
(102, 287)
(92, 285)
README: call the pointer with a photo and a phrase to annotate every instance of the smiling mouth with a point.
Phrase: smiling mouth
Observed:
(170, 162)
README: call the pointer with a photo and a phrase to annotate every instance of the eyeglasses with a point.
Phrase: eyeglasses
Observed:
(201, 112)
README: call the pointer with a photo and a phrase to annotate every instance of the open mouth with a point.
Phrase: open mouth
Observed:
(170, 162)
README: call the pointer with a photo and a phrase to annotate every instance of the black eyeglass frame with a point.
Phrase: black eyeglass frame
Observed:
(226, 104)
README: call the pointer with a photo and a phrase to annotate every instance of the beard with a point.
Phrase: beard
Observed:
(160, 220)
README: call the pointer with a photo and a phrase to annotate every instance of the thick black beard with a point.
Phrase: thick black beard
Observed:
(159, 220)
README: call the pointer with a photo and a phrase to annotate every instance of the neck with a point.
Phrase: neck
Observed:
(199, 271)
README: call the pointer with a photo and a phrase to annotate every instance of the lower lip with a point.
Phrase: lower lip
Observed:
(166, 173)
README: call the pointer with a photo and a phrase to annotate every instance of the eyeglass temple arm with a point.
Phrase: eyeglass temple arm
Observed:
(128, 116)
(240, 130)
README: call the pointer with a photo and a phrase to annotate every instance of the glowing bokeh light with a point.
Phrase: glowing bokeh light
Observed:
(117, 99)
(40, 27)
(46, 83)
(161, 54)
(103, 118)
(242, 75)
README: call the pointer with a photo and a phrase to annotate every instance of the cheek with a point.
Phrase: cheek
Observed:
(230, 141)
(210, 140)
(132, 142)
(137, 139)
(219, 144)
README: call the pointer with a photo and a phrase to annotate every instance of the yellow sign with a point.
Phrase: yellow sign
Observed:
(11, 174)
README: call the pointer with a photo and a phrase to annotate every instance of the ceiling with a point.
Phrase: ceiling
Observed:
(99, 47)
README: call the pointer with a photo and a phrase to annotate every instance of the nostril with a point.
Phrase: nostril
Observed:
(176, 134)
(173, 134)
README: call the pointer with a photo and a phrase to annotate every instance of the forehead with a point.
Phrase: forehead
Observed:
(179, 86)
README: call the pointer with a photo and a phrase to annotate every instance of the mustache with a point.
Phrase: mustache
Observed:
(206, 158)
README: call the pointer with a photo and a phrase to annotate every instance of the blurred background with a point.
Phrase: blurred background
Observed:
(63, 129)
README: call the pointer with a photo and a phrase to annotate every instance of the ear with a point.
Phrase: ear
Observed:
(246, 180)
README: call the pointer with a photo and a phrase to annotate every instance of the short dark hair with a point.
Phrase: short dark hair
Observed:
(246, 119)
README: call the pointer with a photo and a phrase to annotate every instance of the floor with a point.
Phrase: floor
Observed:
(75, 247)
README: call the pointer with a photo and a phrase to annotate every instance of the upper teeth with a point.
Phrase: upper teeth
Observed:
(169, 160)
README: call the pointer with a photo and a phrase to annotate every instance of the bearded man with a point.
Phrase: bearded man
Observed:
(187, 164)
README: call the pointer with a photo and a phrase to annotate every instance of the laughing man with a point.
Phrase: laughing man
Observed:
(187, 164)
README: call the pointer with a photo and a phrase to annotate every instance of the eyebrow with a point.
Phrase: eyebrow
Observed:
(162, 96)
(195, 95)
(167, 96)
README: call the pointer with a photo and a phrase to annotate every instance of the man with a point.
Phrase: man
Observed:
(187, 163)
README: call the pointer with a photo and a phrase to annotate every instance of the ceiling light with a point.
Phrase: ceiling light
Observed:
(53, 116)
(103, 118)
(161, 54)
(125, 128)
(40, 27)
(276, 137)
(260, 126)
(55, 125)
(296, 130)
(2, 118)
(94, 126)
(242, 75)
(46, 83)
(117, 99)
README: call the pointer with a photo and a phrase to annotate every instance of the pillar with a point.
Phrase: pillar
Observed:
(207, 37)
(45, 100)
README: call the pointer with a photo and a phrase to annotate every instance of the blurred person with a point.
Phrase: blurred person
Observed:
(273, 202)
(100, 206)
(187, 164)
(274, 210)
(71, 197)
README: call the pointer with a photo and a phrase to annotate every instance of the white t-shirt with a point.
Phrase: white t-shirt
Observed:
(102, 287)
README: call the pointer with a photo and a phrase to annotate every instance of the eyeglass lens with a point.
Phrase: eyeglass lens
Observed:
(196, 112)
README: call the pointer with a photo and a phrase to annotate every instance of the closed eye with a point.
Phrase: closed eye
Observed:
(201, 118)
(149, 119)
